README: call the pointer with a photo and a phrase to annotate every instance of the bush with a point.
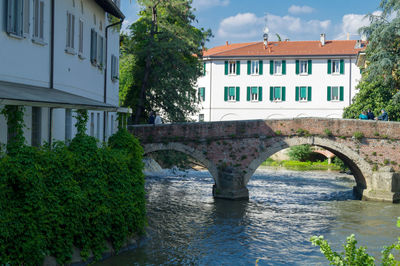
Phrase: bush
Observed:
(353, 255)
(300, 153)
(54, 198)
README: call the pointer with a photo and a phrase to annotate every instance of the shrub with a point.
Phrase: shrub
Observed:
(358, 135)
(300, 153)
(328, 132)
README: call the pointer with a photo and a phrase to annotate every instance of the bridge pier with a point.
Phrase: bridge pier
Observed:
(384, 186)
(229, 184)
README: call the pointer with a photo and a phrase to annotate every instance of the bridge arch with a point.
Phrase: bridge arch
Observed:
(361, 170)
(175, 146)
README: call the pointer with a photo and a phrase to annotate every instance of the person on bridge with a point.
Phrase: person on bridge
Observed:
(383, 116)
(363, 116)
(152, 117)
(157, 120)
(370, 115)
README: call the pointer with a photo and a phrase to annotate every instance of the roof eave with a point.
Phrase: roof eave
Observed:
(269, 56)
(110, 7)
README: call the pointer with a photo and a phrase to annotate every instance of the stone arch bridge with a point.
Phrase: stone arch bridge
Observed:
(233, 150)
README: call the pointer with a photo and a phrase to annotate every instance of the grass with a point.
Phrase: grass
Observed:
(301, 166)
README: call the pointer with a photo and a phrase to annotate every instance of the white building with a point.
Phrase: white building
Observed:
(272, 80)
(57, 56)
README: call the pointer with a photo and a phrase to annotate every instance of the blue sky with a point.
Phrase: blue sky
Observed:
(245, 20)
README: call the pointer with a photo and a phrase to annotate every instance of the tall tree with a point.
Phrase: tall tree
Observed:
(380, 84)
(160, 60)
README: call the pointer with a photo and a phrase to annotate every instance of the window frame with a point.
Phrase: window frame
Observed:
(277, 71)
(15, 18)
(201, 94)
(276, 99)
(114, 68)
(303, 99)
(70, 34)
(231, 98)
(81, 35)
(254, 97)
(232, 69)
(338, 94)
(38, 22)
(255, 64)
(334, 61)
(305, 63)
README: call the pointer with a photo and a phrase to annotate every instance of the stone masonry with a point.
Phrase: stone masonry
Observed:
(233, 150)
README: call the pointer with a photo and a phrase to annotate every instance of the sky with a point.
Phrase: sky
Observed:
(238, 21)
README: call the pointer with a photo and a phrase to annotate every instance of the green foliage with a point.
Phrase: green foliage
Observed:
(15, 124)
(82, 118)
(328, 132)
(358, 135)
(54, 198)
(303, 132)
(300, 153)
(301, 166)
(169, 159)
(337, 161)
(356, 256)
(379, 87)
(160, 61)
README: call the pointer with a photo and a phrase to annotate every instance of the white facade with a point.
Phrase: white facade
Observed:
(30, 56)
(256, 73)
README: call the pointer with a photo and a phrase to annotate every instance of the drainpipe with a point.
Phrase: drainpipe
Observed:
(350, 84)
(105, 76)
(211, 63)
(50, 137)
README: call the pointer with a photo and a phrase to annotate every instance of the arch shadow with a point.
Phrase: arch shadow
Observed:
(174, 146)
(361, 170)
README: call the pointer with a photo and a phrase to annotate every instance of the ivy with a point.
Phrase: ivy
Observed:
(56, 197)
(15, 125)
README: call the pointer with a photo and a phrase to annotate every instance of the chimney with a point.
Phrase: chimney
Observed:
(265, 36)
(348, 36)
(227, 43)
(322, 39)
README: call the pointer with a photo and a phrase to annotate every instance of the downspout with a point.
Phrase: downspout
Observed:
(211, 63)
(350, 84)
(105, 75)
(50, 137)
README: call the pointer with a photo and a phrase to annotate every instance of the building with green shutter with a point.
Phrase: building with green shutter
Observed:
(273, 80)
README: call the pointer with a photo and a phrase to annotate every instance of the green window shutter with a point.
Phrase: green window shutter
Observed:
(283, 67)
(271, 94)
(271, 67)
(203, 93)
(238, 68)
(342, 66)
(309, 94)
(259, 94)
(329, 66)
(329, 93)
(226, 94)
(248, 67)
(260, 67)
(226, 67)
(248, 94)
(237, 94)
(297, 67)
(283, 94)
(309, 67)
(204, 69)
(297, 93)
(341, 96)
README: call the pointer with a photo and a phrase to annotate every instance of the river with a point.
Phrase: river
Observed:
(187, 226)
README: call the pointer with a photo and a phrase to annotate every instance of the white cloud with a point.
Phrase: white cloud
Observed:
(351, 23)
(300, 10)
(248, 27)
(204, 4)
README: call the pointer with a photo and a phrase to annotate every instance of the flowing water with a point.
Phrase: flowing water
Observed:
(187, 226)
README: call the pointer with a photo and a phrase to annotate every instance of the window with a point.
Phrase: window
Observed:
(98, 126)
(114, 68)
(38, 23)
(303, 94)
(336, 66)
(201, 117)
(204, 69)
(36, 126)
(112, 125)
(100, 52)
(68, 125)
(232, 67)
(27, 24)
(92, 124)
(335, 93)
(16, 13)
(202, 94)
(70, 45)
(303, 67)
(254, 94)
(80, 47)
(93, 47)
(232, 94)
(255, 67)
(277, 94)
(278, 67)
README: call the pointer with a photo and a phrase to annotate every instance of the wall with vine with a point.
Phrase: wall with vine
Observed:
(53, 198)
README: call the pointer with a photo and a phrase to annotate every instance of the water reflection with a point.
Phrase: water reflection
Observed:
(187, 226)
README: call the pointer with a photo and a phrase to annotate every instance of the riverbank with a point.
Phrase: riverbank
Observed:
(301, 166)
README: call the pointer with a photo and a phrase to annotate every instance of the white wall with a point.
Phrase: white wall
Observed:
(215, 81)
(21, 59)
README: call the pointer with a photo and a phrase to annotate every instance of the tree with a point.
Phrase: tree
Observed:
(379, 87)
(160, 60)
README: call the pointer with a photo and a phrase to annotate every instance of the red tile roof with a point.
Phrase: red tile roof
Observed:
(285, 48)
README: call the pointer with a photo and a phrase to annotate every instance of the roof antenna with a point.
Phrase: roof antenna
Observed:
(266, 31)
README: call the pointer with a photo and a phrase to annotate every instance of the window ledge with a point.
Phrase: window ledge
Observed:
(277, 101)
(303, 74)
(278, 74)
(115, 79)
(80, 55)
(39, 41)
(336, 74)
(232, 75)
(254, 74)
(15, 36)
(70, 51)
